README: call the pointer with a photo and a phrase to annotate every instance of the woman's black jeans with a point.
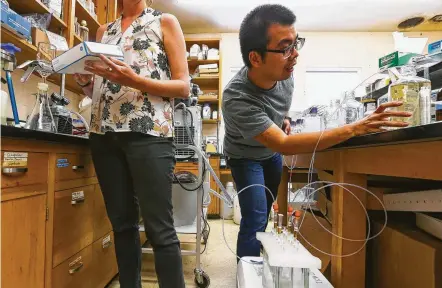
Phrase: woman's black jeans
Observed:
(135, 170)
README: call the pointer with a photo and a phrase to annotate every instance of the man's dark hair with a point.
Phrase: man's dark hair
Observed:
(253, 33)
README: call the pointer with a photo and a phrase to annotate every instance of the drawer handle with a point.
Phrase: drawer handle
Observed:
(10, 170)
(76, 269)
(77, 167)
(77, 201)
(107, 244)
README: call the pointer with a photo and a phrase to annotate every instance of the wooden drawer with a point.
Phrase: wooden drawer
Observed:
(73, 222)
(102, 224)
(32, 168)
(73, 166)
(187, 166)
(75, 272)
(104, 261)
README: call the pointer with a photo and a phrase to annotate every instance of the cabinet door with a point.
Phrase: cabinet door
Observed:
(23, 242)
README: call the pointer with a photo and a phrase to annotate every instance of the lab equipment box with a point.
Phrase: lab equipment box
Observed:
(73, 60)
(395, 59)
(18, 24)
(435, 47)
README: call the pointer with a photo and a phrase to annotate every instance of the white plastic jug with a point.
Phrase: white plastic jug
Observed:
(236, 210)
(227, 212)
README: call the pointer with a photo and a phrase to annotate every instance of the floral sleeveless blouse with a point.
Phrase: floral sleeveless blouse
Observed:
(118, 108)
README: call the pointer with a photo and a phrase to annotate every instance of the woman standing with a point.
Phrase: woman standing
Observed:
(132, 135)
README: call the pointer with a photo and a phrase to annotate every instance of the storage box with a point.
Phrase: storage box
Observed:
(72, 61)
(5, 12)
(435, 47)
(18, 24)
(395, 59)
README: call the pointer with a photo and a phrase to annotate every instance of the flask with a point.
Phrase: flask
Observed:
(415, 93)
(41, 116)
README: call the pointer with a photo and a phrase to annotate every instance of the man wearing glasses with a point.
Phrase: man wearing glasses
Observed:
(255, 103)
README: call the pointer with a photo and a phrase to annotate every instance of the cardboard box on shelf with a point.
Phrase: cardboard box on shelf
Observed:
(395, 59)
(403, 256)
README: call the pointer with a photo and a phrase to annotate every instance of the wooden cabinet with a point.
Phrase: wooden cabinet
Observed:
(214, 207)
(73, 222)
(73, 166)
(23, 224)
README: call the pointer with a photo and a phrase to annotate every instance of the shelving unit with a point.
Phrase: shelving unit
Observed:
(63, 26)
(35, 6)
(209, 85)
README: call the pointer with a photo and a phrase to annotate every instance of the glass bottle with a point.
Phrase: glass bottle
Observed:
(415, 93)
(41, 116)
(353, 110)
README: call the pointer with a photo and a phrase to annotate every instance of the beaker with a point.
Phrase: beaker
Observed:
(41, 117)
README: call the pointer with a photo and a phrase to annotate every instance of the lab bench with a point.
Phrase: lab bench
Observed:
(384, 163)
(55, 230)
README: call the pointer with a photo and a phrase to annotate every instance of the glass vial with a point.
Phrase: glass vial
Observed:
(41, 116)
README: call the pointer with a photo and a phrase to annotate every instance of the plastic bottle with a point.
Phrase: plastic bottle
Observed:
(206, 111)
(353, 110)
(4, 107)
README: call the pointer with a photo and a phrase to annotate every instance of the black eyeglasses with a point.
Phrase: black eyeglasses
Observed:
(286, 52)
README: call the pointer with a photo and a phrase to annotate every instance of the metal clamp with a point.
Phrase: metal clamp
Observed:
(77, 167)
(76, 268)
(13, 170)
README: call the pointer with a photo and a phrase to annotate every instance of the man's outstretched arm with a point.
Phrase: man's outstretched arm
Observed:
(275, 139)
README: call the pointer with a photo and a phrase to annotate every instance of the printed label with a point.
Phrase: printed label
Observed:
(15, 159)
(106, 241)
(78, 196)
(75, 262)
(61, 163)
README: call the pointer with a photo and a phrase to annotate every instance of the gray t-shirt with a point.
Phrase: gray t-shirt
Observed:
(248, 111)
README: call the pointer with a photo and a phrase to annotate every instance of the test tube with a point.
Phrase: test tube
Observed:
(290, 220)
(280, 219)
(296, 223)
(275, 216)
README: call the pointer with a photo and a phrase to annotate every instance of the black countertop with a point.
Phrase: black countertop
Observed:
(411, 134)
(21, 133)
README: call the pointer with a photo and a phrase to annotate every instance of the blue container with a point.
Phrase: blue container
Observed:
(19, 24)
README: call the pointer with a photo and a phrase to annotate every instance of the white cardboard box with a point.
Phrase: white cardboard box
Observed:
(72, 61)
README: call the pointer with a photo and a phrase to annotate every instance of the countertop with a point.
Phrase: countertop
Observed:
(15, 132)
(411, 134)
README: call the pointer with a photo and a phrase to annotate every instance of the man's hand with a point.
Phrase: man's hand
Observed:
(379, 119)
(286, 126)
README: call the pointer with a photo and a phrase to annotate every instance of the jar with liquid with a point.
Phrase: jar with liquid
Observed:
(41, 116)
(415, 93)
